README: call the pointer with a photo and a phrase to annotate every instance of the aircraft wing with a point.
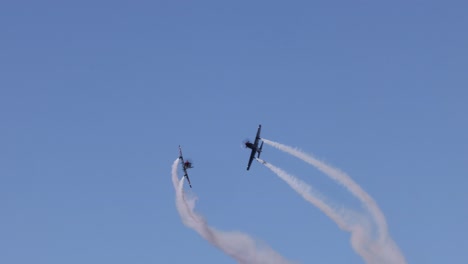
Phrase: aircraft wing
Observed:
(180, 153)
(188, 180)
(252, 155)
(257, 137)
(186, 175)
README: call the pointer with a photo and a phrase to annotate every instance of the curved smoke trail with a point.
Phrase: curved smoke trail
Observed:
(361, 239)
(237, 245)
(384, 244)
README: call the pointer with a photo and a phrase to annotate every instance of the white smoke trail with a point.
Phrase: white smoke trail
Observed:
(239, 246)
(308, 194)
(346, 220)
(341, 178)
(386, 247)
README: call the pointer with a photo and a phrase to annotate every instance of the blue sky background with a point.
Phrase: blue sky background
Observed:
(95, 97)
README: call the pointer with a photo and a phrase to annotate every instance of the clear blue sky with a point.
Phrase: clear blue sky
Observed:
(95, 97)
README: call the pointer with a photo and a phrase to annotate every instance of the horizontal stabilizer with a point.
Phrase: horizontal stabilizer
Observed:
(260, 150)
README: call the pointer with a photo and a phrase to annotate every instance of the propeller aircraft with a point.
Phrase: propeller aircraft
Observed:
(254, 147)
(185, 166)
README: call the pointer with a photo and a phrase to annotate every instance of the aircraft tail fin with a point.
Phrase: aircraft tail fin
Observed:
(260, 150)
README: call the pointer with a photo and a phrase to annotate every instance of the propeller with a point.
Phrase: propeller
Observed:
(244, 143)
(188, 163)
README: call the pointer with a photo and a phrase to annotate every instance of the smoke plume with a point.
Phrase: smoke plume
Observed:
(237, 245)
(382, 249)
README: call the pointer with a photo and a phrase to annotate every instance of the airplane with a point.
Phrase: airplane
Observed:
(254, 147)
(185, 166)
